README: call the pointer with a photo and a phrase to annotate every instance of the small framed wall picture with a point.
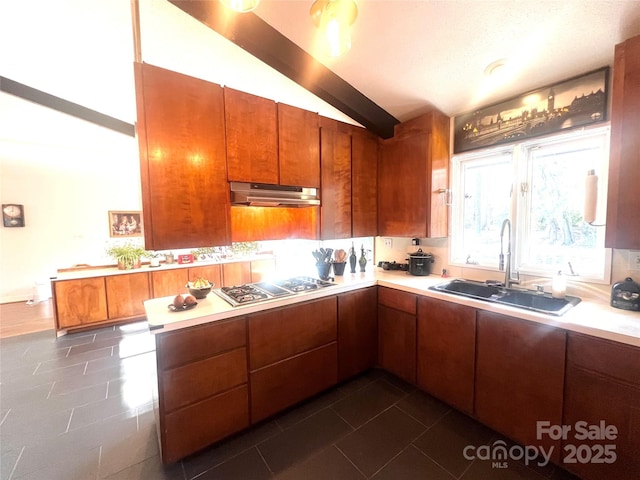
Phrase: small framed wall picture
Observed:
(12, 215)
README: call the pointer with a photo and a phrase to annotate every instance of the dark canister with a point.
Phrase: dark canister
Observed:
(420, 263)
(626, 295)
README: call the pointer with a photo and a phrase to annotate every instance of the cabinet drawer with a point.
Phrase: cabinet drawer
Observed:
(196, 343)
(281, 333)
(604, 356)
(397, 299)
(193, 428)
(195, 381)
(279, 386)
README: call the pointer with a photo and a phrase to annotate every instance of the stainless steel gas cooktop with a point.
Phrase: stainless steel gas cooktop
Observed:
(262, 291)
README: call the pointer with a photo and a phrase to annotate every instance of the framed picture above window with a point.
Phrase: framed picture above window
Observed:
(575, 102)
(125, 223)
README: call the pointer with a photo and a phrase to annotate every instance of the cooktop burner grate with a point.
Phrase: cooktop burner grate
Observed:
(256, 292)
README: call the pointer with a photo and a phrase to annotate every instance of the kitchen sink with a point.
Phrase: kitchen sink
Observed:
(527, 299)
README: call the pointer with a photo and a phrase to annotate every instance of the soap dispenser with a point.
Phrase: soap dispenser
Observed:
(559, 285)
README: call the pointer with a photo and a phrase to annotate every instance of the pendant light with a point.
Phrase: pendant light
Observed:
(334, 19)
(241, 6)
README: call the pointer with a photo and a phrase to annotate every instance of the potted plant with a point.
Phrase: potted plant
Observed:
(127, 255)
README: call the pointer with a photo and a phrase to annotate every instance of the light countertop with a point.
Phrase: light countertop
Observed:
(590, 317)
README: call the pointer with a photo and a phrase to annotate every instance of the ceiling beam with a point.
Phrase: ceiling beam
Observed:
(65, 106)
(261, 40)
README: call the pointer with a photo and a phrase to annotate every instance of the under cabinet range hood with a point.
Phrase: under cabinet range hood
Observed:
(266, 195)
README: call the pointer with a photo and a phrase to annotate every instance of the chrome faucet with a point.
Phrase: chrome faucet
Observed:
(508, 281)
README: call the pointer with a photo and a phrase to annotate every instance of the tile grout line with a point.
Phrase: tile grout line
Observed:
(435, 462)
(13, 470)
(5, 416)
(349, 460)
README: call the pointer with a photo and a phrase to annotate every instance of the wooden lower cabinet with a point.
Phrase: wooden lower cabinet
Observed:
(397, 342)
(165, 283)
(236, 273)
(602, 385)
(80, 303)
(213, 273)
(203, 394)
(519, 377)
(357, 332)
(278, 386)
(126, 294)
(293, 354)
(446, 351)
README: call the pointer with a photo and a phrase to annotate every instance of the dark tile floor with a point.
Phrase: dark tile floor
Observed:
(79, 407)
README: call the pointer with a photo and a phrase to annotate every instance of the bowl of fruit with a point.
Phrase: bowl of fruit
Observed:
(199, 288)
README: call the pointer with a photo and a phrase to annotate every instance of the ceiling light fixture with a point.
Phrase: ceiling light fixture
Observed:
(334, 19)
(496, 68)
(241, 6)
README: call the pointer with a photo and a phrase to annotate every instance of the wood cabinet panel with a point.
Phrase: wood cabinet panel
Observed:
(126, 294)
(185, 195)
(166, 283)
(364, 183)
(397, 342)
(283, 332)
(213, 273)
(195, 343)
(236, 273)
(593, 395)
(446, 351)
(252, 137)
(198, 380)
(298, 146)
(397, 299)
(290, 381)
(357, 332)
(623, 217)
(192, 428)
(519, 377)
(335, 160)
(267, 223)
(413, 167)
(80, 302)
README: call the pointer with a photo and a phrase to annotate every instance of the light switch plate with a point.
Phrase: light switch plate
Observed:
(388, 243)
(634, 260)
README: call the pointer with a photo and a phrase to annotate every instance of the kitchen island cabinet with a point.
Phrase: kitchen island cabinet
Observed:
(623, 216)
(202, 393)
(357, 332)
(413, 178)
(397, 332)
(602, 385)
(292, 355)
(183, 168)
(446, 351)
(519, 377)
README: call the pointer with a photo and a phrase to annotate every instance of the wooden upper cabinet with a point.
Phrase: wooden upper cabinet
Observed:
(364, 183)
(298, 147)
(335, 158)
(413, 171)
(252, 137)
(185, 196)
(623, 216)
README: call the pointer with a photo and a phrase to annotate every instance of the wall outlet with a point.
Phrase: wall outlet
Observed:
(634, 260)
(388, 243)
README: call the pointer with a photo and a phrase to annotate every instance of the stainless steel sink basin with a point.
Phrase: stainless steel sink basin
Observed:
(527, 299)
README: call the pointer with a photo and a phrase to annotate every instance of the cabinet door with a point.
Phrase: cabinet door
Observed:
(357, 332)
(125, 294)
(446, 351)
(284, 332)
(166, 283)
(268, 223)
(213, 273)
(185, 194)
(519, 377)
(252, 137)
(80, 302)
(413, 168)
(335, 213)
(397, 342)
(236, 273)
(623, 219)
(364, 184)
(290, 381)
(298, 144)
